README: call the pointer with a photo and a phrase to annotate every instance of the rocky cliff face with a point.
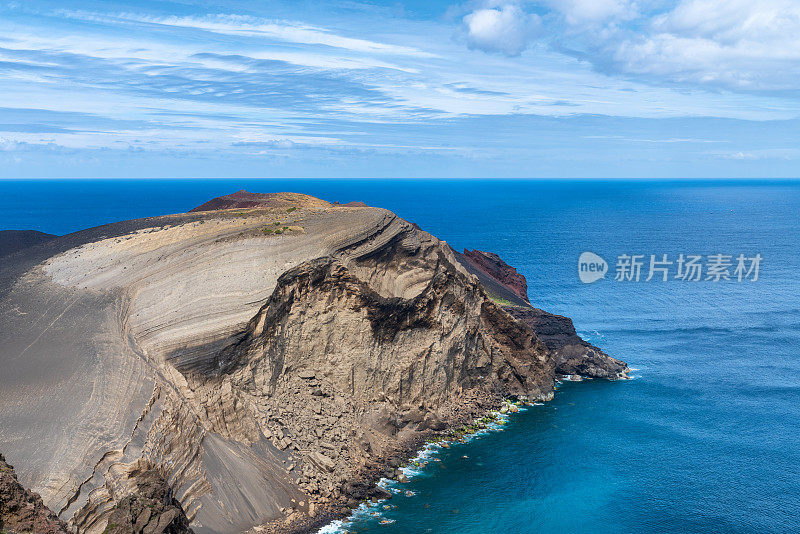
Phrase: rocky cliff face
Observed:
(152, 509)
(267, 363)
(570, 353)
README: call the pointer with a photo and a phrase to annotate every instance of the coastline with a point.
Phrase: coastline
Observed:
(417, 457)
(425, 451)
(385, 469)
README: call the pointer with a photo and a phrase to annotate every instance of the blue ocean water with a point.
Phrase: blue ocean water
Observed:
(706, 438)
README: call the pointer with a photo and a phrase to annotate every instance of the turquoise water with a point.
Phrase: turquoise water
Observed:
(704, 439)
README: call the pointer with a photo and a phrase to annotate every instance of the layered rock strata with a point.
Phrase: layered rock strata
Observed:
(491, 265)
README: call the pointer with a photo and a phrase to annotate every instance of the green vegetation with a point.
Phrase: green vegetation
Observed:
(503, 302)
(491, 418)
(109, 528)
(290, 210)
(271, 230)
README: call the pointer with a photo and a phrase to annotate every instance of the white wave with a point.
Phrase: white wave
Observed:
(415, 466)
(334, 527)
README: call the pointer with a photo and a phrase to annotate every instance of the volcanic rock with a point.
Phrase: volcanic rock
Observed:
(151, 510)
(491, 264)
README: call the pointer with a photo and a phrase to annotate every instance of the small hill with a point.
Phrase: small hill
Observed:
(245, 199)
(12, 241)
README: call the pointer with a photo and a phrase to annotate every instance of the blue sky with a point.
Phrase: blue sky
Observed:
(554, 88)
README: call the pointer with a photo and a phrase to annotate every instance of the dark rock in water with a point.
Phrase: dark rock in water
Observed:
(357, 491)
(152, 510)
(12, 241)
(572, 354)
(22, 510)
(380, 494)
(491, 264)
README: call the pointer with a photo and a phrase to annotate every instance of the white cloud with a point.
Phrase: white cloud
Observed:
(750, 45)
(768, 154)
(505, 29)
(578, 12)
(731, 21)
(739, 44)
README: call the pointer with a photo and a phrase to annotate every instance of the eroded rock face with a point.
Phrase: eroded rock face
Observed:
(265, 362)
(402, 341)
(22, 511)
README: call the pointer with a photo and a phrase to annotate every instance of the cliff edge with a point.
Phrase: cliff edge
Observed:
(266, 363)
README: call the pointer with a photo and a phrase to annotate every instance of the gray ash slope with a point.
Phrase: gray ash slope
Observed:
(262, 361)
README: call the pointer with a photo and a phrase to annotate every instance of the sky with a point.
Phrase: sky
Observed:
(483, 88)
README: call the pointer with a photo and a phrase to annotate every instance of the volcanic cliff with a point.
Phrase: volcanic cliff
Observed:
(255, 366)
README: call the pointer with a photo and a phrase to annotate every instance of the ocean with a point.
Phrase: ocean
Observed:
(704, 438)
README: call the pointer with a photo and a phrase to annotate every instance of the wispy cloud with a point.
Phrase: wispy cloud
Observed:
(241, 25)
(787, 154)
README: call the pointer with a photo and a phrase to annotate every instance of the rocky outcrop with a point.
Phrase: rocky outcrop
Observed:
(403, 341)
(22, 511)
(151, 510)
(491, 264)
(571, 354)
(268, 363)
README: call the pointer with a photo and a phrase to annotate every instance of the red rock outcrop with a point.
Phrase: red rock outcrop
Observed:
(245, 199)
(491, 264)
